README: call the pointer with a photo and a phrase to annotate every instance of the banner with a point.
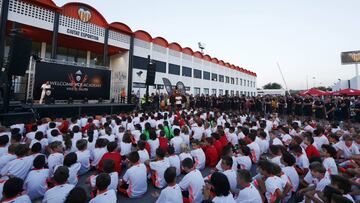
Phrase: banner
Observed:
(181, 87)
(168, 86)
(350, 57)
(72, 81)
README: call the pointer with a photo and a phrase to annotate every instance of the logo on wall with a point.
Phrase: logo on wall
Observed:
(84, 14)
(77, 81)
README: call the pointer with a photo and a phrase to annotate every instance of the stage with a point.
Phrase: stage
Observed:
(70, 110)
(24, 112)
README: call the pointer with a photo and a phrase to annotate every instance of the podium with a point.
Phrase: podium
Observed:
(48, 95)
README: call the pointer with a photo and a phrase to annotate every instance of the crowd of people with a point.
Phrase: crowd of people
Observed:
(330, 107)
(194, 154)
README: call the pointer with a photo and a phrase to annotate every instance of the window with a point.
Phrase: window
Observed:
(197, 73)
(214, 77)
(240, 82)
(160, 66)
(206, 91)
(232, 81)
(227, 79)
(186, 71)
(244, 82)
(213, 91)
(232, 92)
(248, 83)
(221, 92)
(221, 78)
(237, 81)
(196, 91)
(206, 75)
(140, 63)
(237, 92)
(174, 69)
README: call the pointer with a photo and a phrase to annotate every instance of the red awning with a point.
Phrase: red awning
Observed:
(348, 91)
(314, 92)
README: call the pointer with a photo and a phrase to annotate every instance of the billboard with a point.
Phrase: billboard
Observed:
(72, 81)
(350, 57)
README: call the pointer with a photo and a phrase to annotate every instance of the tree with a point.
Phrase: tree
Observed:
(273, 85)
(323, 88)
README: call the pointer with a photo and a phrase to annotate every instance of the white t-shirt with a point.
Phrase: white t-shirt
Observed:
(231, 176)
(57, 194)
(244, 162)
(170, 194)
(18, 167)
(96, 155)
(193, 182)
(154, 144)
(54, 160)
(125, 148)
(224, 199)
(136, 177)
(330, 166)
(249, 195)
(302, 161)
(272, 184)
(199, 157)
(73, 173)
(19, 199)
(113, 184)
(186, 138)
(198, 132)
(35, 183)
(277, 141)
(174, 161)
(83, 157)
(159, 168)
(176, 143)
(263, 144)
(255, 151)
(347, 151)
(293, 176)
(320, 141)
(286, 139)
(234, 166)
(323, 183)
(184, 155)
(108, 197)
(6, 158)
(144, 155)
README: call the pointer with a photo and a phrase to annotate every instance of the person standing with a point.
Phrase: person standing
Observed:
(44, 87)
(319, 108)
(330, 109)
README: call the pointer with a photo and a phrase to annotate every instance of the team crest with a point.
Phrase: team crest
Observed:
(84, 14)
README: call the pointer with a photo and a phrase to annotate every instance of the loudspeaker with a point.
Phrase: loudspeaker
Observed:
(150, 76)
(19, 54)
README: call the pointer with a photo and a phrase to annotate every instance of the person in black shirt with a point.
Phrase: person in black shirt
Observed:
(307, 109)
(319, 108)
(298, 106)
(268, 108)
(258, 104)
(282, 104)
(345, 108)
(329, 109)
(290, 105)
(357, 110)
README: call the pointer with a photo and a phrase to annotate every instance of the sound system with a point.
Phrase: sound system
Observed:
(19, 54)
(150, 76)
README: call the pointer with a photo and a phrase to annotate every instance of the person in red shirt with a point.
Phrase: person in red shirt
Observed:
(217, 143)
(163, 141)
(211, 154)
(223, 138)
(311, 151)
(64, 127)
(114, 154)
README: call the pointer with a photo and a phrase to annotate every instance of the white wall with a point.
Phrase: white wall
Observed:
(143, 49)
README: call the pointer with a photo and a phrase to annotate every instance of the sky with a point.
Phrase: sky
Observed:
(305, 37)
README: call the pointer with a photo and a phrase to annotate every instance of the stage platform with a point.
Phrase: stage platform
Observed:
(70, 110)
